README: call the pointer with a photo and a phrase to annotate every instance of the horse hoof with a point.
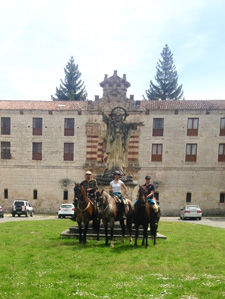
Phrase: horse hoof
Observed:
(135, 246)
(147, 247)
(111, 245)
(122, 241)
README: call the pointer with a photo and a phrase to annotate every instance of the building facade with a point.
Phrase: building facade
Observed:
(47, 146)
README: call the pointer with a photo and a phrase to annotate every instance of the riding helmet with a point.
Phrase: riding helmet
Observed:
(148, 177)
(116, 172)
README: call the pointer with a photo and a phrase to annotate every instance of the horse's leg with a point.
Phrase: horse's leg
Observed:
(98, 229)
(80, 232)
(123, 230)
(154, 226)
(136, 234)
(105, 223)
(146, 235)
(129, 227)
(111, 232)
(85, 232)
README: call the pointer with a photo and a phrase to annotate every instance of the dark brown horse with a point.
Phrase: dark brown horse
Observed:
(84, 211)
(111, 212)
(143, 215)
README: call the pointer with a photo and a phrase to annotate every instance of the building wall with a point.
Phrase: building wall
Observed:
(52, 175)
(21, 175)
(204, 179)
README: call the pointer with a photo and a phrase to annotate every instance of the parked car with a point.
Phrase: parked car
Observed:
(22, 207)
(1, 212)
(66, 209)
(191, 211)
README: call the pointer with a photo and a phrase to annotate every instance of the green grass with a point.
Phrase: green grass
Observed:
(36, 263)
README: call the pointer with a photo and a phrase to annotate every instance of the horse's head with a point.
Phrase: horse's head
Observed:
(142, 194)
(78, 191)
(102, 199)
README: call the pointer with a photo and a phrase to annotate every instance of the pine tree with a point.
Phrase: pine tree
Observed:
(72, 89)
(166, 77)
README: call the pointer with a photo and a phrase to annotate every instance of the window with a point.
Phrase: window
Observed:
(37, 151)
(221, 157)
(222, 197)
(5, 150)
(68, 151)
(192, 127)
(6, 193)
(222, 127)
(37, 126)
(158, 124)
(5, 125)
(69, 127)
(65, 195)
(35, 194)
(191, 152)
(188, 197)
(156, 152)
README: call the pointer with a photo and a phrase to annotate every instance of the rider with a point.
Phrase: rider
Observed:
(115, 189)
(151, 190)
(90, 187)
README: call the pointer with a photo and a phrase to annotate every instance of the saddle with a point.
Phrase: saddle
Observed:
(118, 200)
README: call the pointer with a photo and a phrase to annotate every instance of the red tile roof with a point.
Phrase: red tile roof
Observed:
(184, 105)
(42, 105)
(75, 106)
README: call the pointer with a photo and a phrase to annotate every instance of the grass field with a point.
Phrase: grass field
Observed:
(36, 263)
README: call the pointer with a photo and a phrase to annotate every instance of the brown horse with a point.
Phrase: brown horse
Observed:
(84, 211)
(111, 212)
(143, 215)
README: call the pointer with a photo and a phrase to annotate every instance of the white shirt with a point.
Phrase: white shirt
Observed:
(116, 187)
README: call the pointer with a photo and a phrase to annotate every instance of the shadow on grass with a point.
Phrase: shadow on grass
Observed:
(118, 247)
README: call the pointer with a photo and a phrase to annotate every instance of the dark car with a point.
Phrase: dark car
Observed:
(1, 212)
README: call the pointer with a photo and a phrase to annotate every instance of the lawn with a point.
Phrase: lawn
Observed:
(36, 263)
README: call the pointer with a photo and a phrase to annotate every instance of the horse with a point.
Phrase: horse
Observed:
(143, 215)
(110, 212)
(84, 212)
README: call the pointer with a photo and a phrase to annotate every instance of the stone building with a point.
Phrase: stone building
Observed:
(46, 146)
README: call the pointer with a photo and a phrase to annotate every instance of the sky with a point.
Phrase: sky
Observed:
(38, 37)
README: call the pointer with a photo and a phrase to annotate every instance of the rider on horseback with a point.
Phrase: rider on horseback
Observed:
(90, 187)
(150, 190)
(115, 189)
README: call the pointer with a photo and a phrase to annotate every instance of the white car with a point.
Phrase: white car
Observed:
(191, 211)
(66, 209)
(22, 207)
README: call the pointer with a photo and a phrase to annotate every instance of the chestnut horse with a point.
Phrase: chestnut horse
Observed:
(143, 215)
(84, 212)
(111, 212)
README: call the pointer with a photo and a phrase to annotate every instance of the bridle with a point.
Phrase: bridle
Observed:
(78, 195)
(103, 201)
(142, 195)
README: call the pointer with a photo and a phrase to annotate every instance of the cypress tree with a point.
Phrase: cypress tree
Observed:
(72, 89)
(166, 87)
